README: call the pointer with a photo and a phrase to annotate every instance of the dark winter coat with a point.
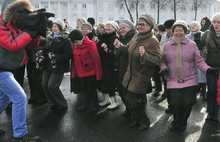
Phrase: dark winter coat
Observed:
(108, 60)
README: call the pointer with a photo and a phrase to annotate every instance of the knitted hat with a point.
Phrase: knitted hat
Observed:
(169, 23)
(216, 16)
(197, 23)
(82, 20)
(126, 23)
(101, 25)
(114, 24)
(180, 23)
(91, 21)
(76, 35)
(149, 19)
(87, 25)
(60, 23)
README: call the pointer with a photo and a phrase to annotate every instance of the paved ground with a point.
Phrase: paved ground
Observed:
(109, 126)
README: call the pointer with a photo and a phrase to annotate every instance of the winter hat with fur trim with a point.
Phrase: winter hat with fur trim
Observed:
(197, 23)
(180, 23)
(126, 23)
(114, 24)
(82, 20)
(216, 16)
(60, 23)
(87, 25)
(149, 19)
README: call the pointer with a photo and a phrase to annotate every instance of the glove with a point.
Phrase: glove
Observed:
(165, 73)
(32, 33)
(212, 71)
(197, 36)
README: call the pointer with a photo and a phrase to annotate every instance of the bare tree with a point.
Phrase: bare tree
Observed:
(175, 5)
(126, 3)
(160, 4)
(196, 4)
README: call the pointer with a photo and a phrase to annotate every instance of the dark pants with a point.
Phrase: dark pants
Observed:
(167, 94)
(212, 105)
(137, 106)
(51, 83)
(182, 101)
(34, 80)
(89, 92)
(157, 79)
(19, 75)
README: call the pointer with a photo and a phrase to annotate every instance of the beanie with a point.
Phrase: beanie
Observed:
(82, 20)
(197, 23)
(126, 23)
(76, 35)
(114, 24)
(216, 16)
(180, 23)
(87, 25)
(169, 23)
(91, 21)
(101, 25)
(60, 23)
(149, 19)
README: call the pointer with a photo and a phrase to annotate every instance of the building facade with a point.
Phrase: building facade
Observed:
(105, 10)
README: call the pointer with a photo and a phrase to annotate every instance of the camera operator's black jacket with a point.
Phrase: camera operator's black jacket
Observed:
(61, 47)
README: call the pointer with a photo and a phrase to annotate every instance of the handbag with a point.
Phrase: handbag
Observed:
(11, 60)
(204, 51)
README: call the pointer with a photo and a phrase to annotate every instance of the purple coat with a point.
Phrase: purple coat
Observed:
(190, 59)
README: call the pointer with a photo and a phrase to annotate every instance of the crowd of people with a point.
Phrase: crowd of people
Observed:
(117, 56)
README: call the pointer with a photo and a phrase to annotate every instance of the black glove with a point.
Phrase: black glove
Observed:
(165, 73)
(32, 33)
(212, 71)
(197, 36)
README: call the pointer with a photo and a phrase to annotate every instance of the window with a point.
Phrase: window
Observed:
(152, 6)
(183, 7)
(111, 6)
(74, 5)
(84, 5)
(100, 5)
(142, 6)
(121, 18)
(45, 4)
(132, 6)
(100, 19)
(64, 4)
(193, 7)
(36, 5)
(203, 8)
(163, 6)
(110, 18)
(121, 6)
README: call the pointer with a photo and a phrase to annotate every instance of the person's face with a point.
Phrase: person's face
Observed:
(179, 33)
(85, 31)
(203, 23)
(55, 28)
(78, 42)
(216, 25)
(100, 29)
(169, 32)
(78, 22)
(124, 30)
(142, 26)
(109, 29)
(194, 28)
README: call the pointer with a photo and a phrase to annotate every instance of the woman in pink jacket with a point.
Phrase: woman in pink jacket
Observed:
(179, 58)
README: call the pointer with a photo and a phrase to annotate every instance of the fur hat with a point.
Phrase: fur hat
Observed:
(82, 20)
(87, 25)
(197, 23)
(101, 25)
(169, 23)
(91, 21)
(114, 24)
(180, 23)
(216, 16)
(76, 35)
(149, 19)
(126, 23)
(11, 7)
(60, 23)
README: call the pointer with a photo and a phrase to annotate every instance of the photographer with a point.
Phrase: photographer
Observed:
(55, 61)
(14, 42)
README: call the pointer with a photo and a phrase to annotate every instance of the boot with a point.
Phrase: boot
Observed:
(114, 103)
(106, 100)
(203, 91)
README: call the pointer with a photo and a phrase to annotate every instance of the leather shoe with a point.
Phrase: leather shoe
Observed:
(183, 127)
(172, 127)
(144, 126)
(53, 106)
(27, 138)
(156, 93)
(215, 118)
(209, 116)
(2, 130)
(134, 123)
(168, 110)
(82, 108)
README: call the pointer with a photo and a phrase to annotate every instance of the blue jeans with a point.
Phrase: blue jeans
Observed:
(212, 106)
(11, 91)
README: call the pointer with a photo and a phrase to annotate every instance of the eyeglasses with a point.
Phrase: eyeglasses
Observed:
(141, 24)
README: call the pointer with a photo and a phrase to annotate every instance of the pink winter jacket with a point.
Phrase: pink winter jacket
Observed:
(190, 59)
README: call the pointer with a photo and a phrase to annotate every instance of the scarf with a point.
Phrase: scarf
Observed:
(143, 36)
(179, 66)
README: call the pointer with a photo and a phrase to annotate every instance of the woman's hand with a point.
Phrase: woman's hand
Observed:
(117, 43)
(141, 50)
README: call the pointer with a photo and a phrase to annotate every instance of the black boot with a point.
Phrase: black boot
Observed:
(27, 138)
(203, 91)
(2, 130)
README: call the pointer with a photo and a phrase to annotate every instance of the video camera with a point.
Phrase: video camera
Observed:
(35, 23)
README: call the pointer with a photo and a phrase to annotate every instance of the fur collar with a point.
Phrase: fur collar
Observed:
(63, 35)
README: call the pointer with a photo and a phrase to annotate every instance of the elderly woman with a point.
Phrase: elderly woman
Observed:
(179, 58)
(212, 60)
(143, 55)
(194, 31)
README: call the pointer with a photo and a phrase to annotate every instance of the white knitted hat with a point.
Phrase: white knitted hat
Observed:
(114, 24)
(60, 23)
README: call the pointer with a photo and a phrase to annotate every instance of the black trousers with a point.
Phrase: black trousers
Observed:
(157, 79)
(137, 106)
(19, 75)
(34, 80)
(89, 91)
(182, 101)
(51, 86)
